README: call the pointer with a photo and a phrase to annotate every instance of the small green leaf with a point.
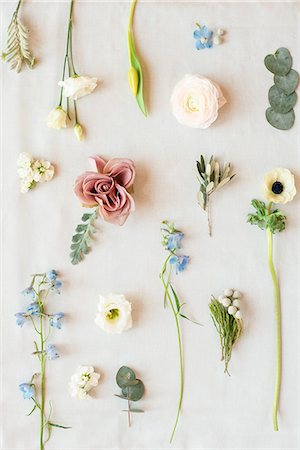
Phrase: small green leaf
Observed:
(135, 392)
(279, 120)
(58, 426)
(33, 409)
(287, 83)
(281, 102)
(125, 375)
(135, 63)
(177, 302)
(81, 239)
(280, 63)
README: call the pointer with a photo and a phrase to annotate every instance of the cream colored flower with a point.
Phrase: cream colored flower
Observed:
(76, 87)
(279, 186)
(26, 184)
(42, 171)
(114, 314)
(195, 101)
(83, 380)
(57, 118)
(78, 130)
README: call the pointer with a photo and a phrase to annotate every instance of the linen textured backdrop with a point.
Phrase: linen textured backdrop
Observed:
(219, 412)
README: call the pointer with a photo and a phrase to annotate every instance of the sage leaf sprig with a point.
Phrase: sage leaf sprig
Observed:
(227, 318)
(135, 73)
(211, 178)
(171, 241)
(17, 44)
(37, 315)
(132, 390)
(81, 239)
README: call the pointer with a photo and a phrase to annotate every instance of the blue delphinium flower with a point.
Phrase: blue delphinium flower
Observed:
(51, 275)
(27, 390)
(56, 286)
(180, 262)
(174, 241)
(52, 352)
(203, 37)
(29, 292)
(55, 320)
(20, 318)
(33, 309)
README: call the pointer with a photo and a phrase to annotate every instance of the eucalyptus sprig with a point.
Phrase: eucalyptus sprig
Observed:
(43, 323)
(17, 43)
(171, 241)
(135, 73)
(132, 389)
(82, 237)
(211, 178)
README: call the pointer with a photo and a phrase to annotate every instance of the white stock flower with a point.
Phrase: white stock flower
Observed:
(24, 160)
(77, 87)
(42, 171)
(26, 184)
(195, 101)
(83, 380)
(114, 314)
(57, 118)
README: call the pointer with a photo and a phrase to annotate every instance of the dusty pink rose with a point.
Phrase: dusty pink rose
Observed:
(107, 187)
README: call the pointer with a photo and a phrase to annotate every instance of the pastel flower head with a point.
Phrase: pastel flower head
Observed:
(55, 320)
(203, 38)
(78, 130)
(57, 118)
(27, 183)
(29, 293)
(51, 352)
(114, 314)
(51, 275)
(77, 87)
(174, 241)
(21, 318)
(107, 187)
(83, 380)
(33, 309)
(279, 186)
(180, 262)
(42, 171)
(196, 100)
(24, 160)
(27, 390)
(57, 285)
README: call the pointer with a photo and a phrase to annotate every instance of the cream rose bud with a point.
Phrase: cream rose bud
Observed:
(195, 101)
(57, 118)
(114, 314)
(77, 87)
(78, 130)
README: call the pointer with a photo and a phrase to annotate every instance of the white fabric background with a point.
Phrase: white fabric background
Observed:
(219, 412)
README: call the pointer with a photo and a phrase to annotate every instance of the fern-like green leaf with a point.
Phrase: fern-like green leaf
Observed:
(17, 45)
(82, 237)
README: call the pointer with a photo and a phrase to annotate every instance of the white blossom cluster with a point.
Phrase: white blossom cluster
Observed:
(84, 379)
(231, 300)
(32, 171)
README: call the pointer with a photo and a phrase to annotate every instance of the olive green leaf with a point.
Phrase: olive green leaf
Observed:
(280, 63)
(125, 376)
(287, 83)
(134, 392)
(279, 101)
(279, 120)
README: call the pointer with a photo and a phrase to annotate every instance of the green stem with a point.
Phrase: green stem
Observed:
(67, 51)
(129, 30)
(278, 329)
(18, 7)
(42, 361)
(166, 286)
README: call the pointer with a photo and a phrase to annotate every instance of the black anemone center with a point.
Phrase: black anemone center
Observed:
(277, 187)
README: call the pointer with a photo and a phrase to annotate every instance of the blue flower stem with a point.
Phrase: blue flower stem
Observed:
(180, 350)
(42, 385)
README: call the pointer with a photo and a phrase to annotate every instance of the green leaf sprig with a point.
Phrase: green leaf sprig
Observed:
(211, 178)
(135, 73)
(264, 218)
(132, 389)
(17, 44)
(81, 239)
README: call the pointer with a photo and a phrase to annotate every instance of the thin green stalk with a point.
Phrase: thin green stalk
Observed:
(42, 361)
(278, 329)
(18, 7)
(67, 51)
(130, 22)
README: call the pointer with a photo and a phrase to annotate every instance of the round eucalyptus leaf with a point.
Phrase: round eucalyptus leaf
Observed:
(124, 376)
(280, 63)
(281, 102)
(287, 83)
(279, 120)
(135, 392)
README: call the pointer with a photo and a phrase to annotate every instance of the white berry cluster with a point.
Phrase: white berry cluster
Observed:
(32, 171)
(231, 300)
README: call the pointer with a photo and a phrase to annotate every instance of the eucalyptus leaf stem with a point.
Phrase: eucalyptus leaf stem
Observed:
(278, 329)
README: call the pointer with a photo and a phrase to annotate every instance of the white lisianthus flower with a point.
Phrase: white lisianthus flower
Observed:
(78, 130)
(114, 314)
(83, 380)
(196, 100)
(42, 171)
(57, 118)
(77, 87)
(279, 186)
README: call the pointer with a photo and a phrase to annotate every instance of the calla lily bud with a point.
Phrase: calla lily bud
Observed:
(133, 78)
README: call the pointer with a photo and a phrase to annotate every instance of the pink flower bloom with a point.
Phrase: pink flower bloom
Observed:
(107, 187)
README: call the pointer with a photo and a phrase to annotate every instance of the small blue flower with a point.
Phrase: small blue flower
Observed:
(180, 262)
(174, 241)
(55, 320)
(203, 38)
(20, 318)
(27, 390)
(51, 275)
(29, 292)
(56, 285)
(52, 352)
(33, 309)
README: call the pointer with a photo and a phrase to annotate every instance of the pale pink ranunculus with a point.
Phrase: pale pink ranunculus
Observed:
(107, 187)
(196, 100)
